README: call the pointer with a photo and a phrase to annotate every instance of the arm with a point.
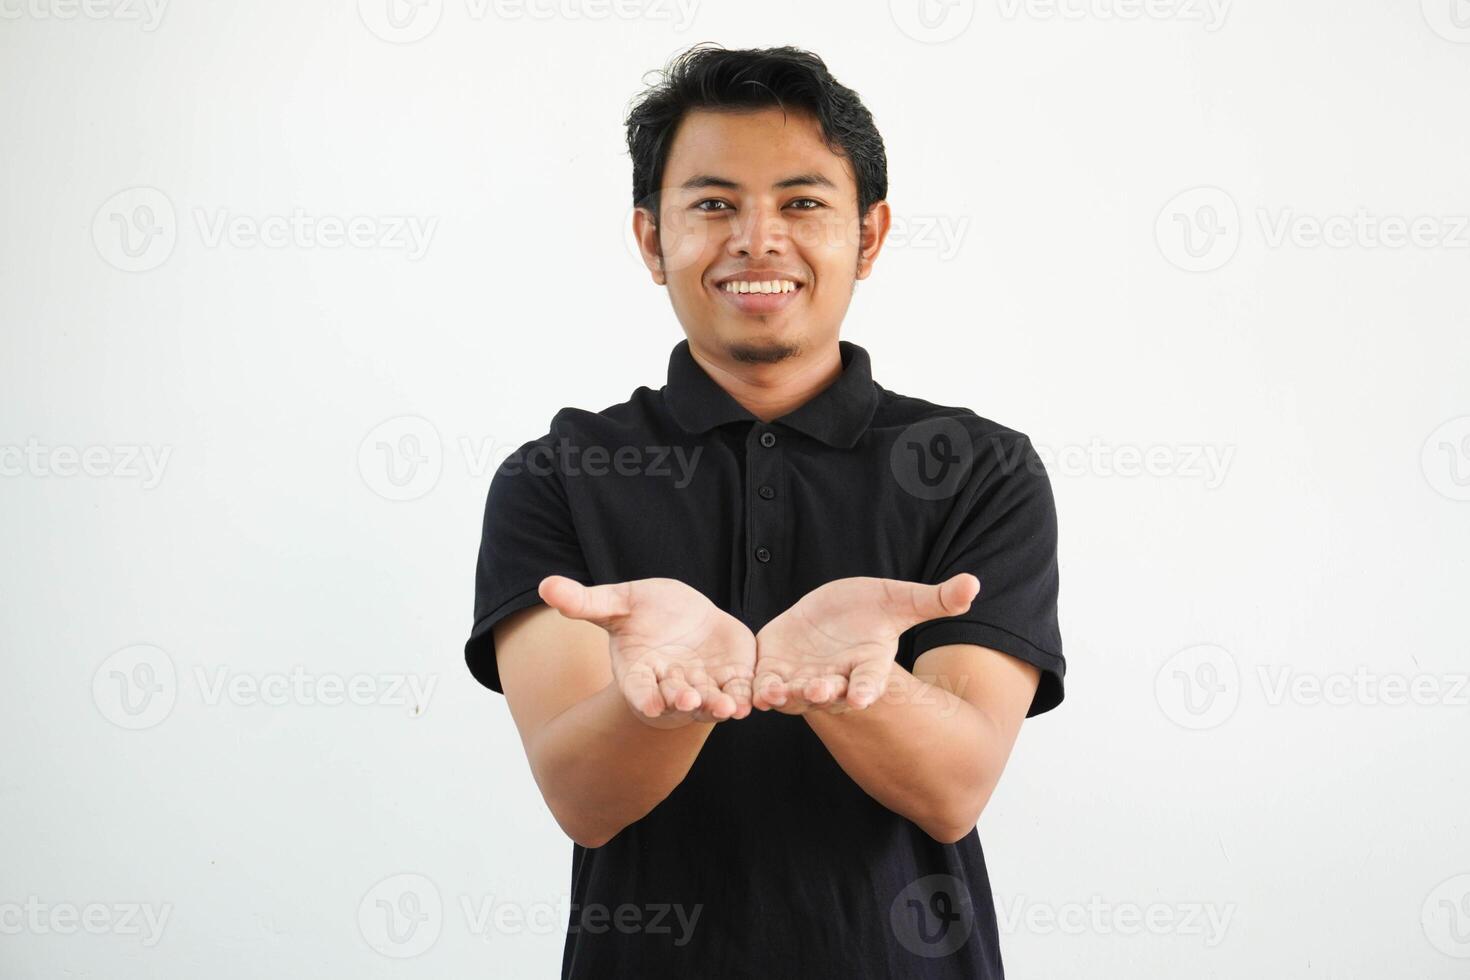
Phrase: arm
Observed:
(933, 746)
(598, 767)
(573, 671)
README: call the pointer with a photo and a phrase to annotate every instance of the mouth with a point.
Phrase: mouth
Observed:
(759, 296)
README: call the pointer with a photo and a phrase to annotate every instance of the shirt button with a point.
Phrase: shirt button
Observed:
(766, 493)
(768, 439)
(763, 554)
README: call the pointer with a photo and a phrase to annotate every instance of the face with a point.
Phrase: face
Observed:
(757, 198)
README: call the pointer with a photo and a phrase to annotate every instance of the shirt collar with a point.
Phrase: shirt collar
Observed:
(837, 415)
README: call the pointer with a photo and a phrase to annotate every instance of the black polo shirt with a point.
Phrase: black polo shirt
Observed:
(768, 860)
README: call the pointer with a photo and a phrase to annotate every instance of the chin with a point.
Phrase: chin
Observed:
(768, 350)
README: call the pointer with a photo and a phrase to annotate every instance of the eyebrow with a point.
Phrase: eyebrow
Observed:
(799, 180)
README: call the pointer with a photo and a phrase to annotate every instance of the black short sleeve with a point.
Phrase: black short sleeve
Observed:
(527, 535)
(1004, 532)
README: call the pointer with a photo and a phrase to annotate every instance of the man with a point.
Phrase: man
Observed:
(768, 633)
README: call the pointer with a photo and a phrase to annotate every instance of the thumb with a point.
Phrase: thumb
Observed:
(598, 604)
(916, 602)
(957, 592)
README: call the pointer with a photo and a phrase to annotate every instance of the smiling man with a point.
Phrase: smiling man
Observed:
(768, 698)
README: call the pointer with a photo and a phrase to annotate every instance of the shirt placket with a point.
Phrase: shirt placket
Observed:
(763, 551)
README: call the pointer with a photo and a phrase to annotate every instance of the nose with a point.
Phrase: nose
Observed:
(761, 230)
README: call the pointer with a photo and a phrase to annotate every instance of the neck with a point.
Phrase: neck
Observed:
(769, 391)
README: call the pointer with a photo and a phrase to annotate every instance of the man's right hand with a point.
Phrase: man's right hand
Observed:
(676, 657)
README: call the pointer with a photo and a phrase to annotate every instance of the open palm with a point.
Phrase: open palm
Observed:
(835, 647)
(676, 656)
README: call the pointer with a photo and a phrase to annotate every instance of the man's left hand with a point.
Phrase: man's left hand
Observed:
(833, 650)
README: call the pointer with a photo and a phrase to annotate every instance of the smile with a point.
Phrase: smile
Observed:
(759, 297)
(764, 286)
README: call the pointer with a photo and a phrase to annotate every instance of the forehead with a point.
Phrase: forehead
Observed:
(753, 147)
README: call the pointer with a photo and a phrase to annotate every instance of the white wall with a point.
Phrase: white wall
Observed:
(1038, 157)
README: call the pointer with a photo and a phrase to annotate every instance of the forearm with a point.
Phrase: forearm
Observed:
(919, 750)
(600, 768)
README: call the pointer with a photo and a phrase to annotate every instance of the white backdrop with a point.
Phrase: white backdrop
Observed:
(1211, 256)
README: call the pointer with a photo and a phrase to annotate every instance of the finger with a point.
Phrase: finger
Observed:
(716, 703)
(866, 683)
(678, 695)
(640, 687)
(739, 690)
(770, 690)
(823, 689)
(694, 674)
(599, 604)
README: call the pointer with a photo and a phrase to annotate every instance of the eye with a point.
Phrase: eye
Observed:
(700, 205)
(815, 204)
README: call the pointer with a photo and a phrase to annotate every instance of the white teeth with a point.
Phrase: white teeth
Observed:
(766, 286)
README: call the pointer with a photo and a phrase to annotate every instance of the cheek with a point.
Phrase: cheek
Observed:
(829, 247)
(686, 241)
(827, 235)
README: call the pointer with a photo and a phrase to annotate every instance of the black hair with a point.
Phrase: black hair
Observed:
(707, 76)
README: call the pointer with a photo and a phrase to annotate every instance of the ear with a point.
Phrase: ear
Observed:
(871, 235)
(645, 230)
